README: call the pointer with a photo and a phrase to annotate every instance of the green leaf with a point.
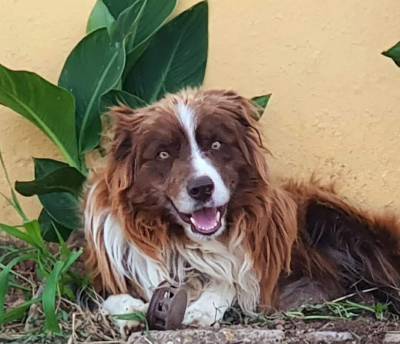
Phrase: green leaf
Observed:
(117, 97)
(71, 259)
(33, 229)
(14, 202)
(116, 7)
(62, 179)
(94, 67)
(51, 289)
(47, 106)
(261, 103)
(132, 57)
(16, 233)
(99, 17)
(19, 311)
(62, 207)
(51, 229)
(20, 234)
(184, 44)
(394, 53)
(126, 25)
(138, 316)
(154, 15)
(4, 282)
(49, 298)
(46, 166)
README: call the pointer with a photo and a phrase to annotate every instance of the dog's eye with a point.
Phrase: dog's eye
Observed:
(216, 145)
(163, 155)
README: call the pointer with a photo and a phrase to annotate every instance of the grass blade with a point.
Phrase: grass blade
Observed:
(17, 233)
(49, 298)
(19, 311)
(137, 316)
(71, 260)
(4, 282)
(14, 202)
(33, 230)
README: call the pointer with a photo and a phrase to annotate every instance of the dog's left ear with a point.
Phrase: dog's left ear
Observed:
(251, 143)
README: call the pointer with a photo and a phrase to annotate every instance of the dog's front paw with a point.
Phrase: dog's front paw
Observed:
(201, 318)
(124, 304)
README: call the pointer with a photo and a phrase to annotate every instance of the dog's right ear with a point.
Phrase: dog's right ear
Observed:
(123, 127)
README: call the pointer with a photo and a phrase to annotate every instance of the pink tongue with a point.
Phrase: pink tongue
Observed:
(205, 219)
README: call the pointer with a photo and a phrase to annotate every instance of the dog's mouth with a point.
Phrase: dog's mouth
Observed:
(205, 221)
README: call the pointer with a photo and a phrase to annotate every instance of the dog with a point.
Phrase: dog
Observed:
(185, 195)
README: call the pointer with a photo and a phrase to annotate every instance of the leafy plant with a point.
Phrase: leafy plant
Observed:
(132, 53)
(52, 280)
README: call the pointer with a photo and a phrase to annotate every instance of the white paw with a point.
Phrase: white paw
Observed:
(203, 318)
(124, 304)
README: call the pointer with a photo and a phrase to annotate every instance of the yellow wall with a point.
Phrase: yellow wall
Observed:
(336, 100)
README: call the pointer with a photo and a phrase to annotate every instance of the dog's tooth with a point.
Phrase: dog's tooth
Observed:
(218, 217)
(192, 221)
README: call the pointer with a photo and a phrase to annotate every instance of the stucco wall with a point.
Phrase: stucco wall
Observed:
(336, 100)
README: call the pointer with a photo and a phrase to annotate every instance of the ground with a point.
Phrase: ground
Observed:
(349, 319)
(363, 330)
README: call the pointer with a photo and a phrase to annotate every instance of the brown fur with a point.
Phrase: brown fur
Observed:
(299, 234)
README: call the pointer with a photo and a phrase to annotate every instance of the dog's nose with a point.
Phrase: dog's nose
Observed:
(200, 188)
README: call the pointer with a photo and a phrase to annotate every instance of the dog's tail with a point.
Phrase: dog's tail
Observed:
(359, 249)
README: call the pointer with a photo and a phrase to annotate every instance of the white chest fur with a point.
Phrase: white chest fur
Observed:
(218, 262)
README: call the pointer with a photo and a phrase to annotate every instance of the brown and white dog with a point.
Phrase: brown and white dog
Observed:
(185, 195)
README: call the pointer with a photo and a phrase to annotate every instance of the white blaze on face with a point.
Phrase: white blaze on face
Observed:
(201, 166)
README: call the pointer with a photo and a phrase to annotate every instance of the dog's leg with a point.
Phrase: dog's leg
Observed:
(344, 248)
(211, 306)
(124, 304)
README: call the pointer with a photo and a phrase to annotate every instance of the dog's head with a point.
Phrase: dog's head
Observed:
(192, 158)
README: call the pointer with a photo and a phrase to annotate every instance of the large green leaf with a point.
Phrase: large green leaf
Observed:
(47, 106)
(118, 97)
(94, 67)
(51, 229)
(133, 57)
(99, 17)
(154, 15)
(65, 178)
(126, 26)
(116, 7)
(394, 53)
(175, 58)
(138, 28)
(62, 207)
(261, 103)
